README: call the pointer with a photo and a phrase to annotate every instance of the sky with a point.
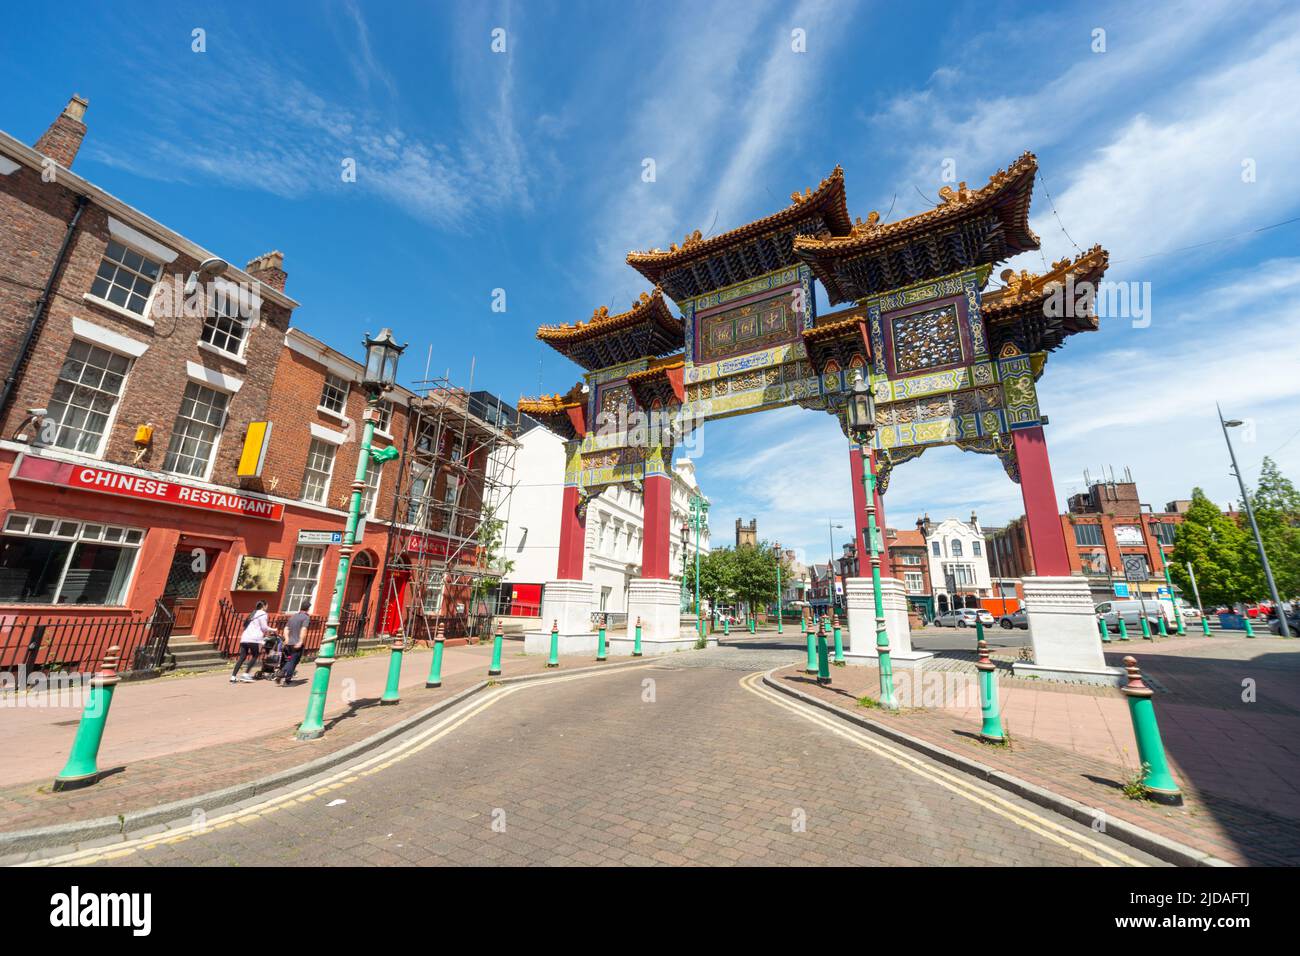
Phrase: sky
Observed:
(1170, 134)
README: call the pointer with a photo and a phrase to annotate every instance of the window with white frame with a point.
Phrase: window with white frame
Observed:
(1087, 534)
(935, 546)
(370, 493)
(975, 548)
(385, 423)
(85, 394)
(304, 573)
(913, 581)
(334, 396)
(198, 426)
(417, 507)
(956, 549)
(125, 278)
(320, 467)
(961, 575)
(46, 560)
(225, 327)
(433, 597)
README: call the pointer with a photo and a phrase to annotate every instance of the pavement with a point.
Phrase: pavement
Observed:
(713, 756)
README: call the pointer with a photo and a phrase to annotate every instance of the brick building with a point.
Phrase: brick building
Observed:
(140, 370)
(1111, 537)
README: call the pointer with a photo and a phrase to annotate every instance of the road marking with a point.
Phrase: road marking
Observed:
(964, 787)
(309, 791)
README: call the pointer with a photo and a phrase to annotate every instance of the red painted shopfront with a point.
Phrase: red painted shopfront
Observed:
(125, 538)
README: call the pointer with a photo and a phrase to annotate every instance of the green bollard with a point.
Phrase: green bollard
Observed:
(1250, 630)
(636, 644)
(392, 689)
(1146, 627)
(497, 640)
(1164, 628)
(435, 666)
(839, 641)
(753, 624)
(979, 629)
(726, 627)
(1105, 632)
(811, 635)
(991, 732)
(823, 657)
(1205, 625)
(600, 640)
(1157, 781)
(1123, 628)
(82, 768)
(554, 660)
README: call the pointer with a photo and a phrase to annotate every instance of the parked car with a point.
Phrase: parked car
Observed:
(1190, 612)
(1292, 623)
(1132, 611)
(964, 617)
(1015, 619)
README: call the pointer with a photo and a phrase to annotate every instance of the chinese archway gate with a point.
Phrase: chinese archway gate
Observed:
(950, 362)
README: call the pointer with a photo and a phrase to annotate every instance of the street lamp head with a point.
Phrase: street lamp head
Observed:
(1233, 423)
(382, 354)
(861, 410)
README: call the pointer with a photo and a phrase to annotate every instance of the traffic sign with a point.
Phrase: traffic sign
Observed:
(1121, 589)
(320, 537)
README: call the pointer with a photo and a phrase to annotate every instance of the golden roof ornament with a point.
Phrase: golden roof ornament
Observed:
(861, 228)
(959, 195)
(1016, 284)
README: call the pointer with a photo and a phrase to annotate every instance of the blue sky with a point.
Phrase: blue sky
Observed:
(522, 171)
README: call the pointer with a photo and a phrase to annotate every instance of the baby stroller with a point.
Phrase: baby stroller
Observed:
(272, 657)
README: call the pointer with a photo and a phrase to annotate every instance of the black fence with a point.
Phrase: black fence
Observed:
(78, 644)
(231, 623)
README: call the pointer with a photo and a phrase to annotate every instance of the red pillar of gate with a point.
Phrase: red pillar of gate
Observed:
(1046, 536)
(860, 519)
(573, 537)
(656, 534)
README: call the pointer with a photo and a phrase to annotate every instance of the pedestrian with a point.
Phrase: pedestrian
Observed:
(293, 648)
(256, 626)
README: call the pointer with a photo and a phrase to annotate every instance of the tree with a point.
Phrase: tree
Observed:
(1219, 551)
(717, 574)
(1276, 503)
(490, 541)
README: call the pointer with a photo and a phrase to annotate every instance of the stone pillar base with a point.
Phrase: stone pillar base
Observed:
(862, 623)
(664, 629)
(569, 605)
(1063, 630)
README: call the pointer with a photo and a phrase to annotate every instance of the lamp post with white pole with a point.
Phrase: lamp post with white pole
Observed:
(862, 426)
(1250, 515)
(380, 375)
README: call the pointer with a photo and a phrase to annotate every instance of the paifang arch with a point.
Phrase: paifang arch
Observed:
(950, 361)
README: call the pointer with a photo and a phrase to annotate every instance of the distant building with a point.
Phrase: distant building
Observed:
(908, 549)
(958, 562)
(747, 534)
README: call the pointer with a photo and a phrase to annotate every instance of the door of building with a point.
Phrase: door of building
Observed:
(360, 577)
(184, 586)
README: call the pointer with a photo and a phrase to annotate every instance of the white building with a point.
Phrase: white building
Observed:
(959, 562)
(614, 524)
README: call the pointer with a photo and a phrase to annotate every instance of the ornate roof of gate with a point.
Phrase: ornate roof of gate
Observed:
(1019, 311)
(648, 328)
(553, 410)
(968, 227)
(698, 265)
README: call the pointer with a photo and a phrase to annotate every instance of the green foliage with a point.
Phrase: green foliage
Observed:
(747, 574)
(1219, 551)
(490, 540)
(1276, 503)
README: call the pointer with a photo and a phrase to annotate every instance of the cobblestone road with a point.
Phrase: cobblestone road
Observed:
(688, 760)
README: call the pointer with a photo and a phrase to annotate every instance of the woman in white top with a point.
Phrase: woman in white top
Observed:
(256, 628)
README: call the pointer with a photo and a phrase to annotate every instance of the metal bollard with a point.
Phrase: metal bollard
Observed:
(1105, 632)
(435, 667)
(497, 640)
(392, 688)
(1157, 781)
(991, 731)
(554, 660)
(600, 638)
(636, 645)
(839, 640)
(82, 768)
(823, 657)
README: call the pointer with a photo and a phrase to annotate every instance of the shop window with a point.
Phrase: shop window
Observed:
(56, 561)
(334, 396)
(320, 466)
(304, 573)
(125, 278)
(198, 426)
(85, 395)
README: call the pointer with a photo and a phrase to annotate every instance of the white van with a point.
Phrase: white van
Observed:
(1131, 609)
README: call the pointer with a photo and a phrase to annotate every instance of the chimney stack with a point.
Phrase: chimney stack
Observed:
(62, 140)
(268, 269)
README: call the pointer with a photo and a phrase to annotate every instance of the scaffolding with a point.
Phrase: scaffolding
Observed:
(453, 498)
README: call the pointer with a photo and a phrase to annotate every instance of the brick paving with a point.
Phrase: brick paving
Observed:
(174, 739)
(1237, 762)
(590, 772)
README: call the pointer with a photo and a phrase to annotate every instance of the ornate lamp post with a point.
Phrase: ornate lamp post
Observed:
(686, 540)
(699, 516)
(862, 426)
(380, 375)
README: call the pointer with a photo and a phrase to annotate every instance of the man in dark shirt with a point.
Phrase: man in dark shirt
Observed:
(293, 635)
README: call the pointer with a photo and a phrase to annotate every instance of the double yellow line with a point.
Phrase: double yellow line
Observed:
(1093, 850)
(318, 787)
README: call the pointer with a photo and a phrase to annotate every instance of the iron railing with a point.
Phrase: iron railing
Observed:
(231, 623)
(78, 644)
